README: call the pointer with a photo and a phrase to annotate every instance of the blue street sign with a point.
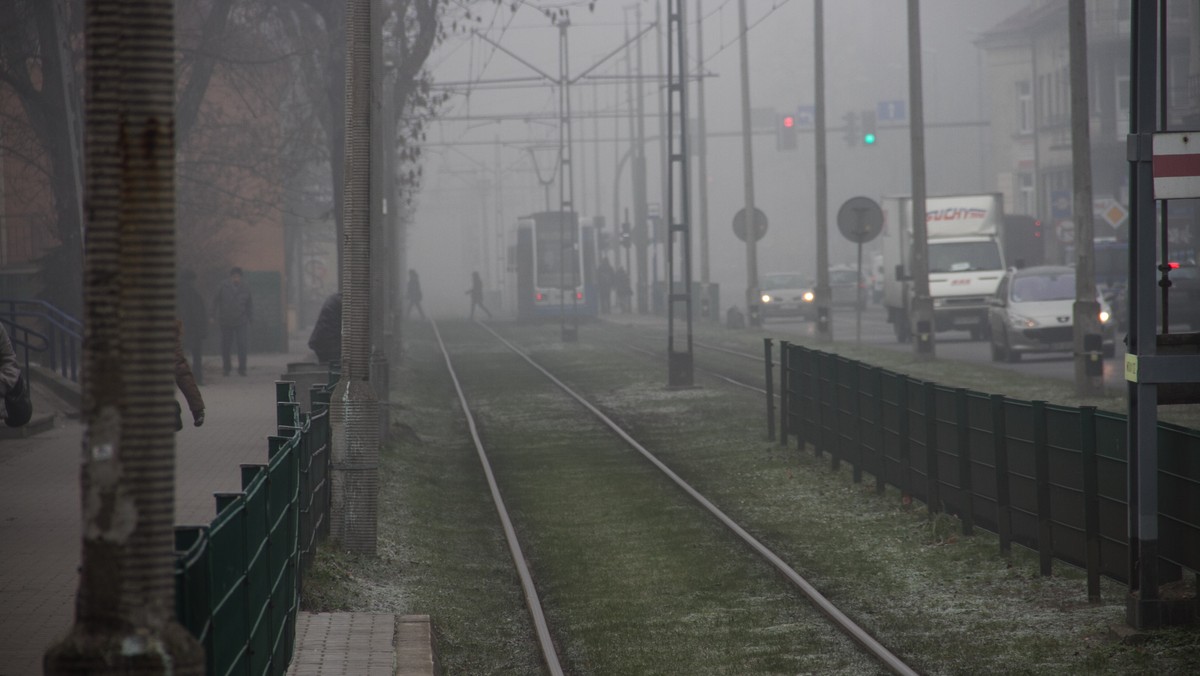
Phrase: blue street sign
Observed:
(891, 111)
(1060, 204)
(806, 116)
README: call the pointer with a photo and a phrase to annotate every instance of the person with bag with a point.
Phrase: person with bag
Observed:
(14, 388)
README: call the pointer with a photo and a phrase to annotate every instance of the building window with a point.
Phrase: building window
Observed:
(1025, 203)
(1024, 107)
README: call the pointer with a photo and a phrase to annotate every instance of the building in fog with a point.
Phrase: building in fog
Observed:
(1028, 90)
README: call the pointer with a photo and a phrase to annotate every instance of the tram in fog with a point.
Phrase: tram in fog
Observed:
(551, 267)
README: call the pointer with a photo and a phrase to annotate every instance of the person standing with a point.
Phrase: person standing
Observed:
(413, 289)
(476, 293)
(194, 315)
(604, 285)
(233, 312)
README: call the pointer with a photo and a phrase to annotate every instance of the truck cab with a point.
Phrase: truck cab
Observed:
(963, 275)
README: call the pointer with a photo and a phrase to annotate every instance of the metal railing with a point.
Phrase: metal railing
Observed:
(1050, 478)
(238, 580)
(61, 333)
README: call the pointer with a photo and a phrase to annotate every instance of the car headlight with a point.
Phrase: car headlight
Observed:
(766, 298)
(1104, 316)
(808, 296)
(1019, 322)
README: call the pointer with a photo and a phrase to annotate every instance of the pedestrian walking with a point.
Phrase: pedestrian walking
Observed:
(476, 293)
(604, 285)
(14, 388)
(233, 311)
(186, 382)
(194, 315)
(624, 291)
(326, 337)
(413, 289)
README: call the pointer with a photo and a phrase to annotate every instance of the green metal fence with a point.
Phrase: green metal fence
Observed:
(1046, 477)
(238, 580)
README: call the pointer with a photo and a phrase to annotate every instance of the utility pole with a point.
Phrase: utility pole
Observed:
(568, 218)
(824, 295)
(702, 154)
(677, 209)
(1089, 369)
(922, 304)
(354, 412)
(640, 222)
(748, 174)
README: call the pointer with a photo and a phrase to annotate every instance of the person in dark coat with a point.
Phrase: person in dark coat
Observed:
(476, 293)
(413, 290)
(605, 276)
(194, 315)
(233, 312)
(326, 337)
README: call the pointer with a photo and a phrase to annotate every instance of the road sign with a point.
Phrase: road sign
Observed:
(760, 224)
(891, 111)
(1177, 165)
(1060, 204)
(1113, 213)
(1066, 231)
(860, 219)
(806, 116)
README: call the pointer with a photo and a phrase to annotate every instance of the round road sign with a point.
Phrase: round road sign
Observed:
(860, 219)
(760, 224)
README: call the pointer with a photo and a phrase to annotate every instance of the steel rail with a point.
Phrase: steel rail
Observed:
(705, 371)
(835, 615)
(532, 600)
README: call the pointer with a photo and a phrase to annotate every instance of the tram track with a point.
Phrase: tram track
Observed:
(863, 639)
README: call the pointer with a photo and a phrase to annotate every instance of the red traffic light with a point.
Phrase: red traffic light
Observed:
(789, 121)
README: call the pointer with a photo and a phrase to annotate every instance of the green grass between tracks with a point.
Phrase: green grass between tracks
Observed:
(950, 603)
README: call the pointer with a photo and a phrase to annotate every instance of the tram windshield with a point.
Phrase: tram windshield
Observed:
(557, 257)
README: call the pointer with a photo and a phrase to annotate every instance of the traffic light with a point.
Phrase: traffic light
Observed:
(785, 132)
(868, 127)
(851, 135)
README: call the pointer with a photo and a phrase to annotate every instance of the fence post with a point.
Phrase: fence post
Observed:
(903, 435)
(785, 401)
(770, 389)
(1000, 450)
(818, 405)
(856, 416)
(881, 434)
(1091, 499)
(835, 449)
(800, 387)
(1041, 462)
(965, 488)
(933, 494)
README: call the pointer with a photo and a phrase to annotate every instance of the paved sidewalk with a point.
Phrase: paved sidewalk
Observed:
(40, 503)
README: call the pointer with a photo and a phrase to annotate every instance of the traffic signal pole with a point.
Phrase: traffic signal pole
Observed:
(922, 304)
(752, 299)
(824, 297)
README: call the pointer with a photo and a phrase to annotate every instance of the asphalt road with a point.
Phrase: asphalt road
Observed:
(949, 345)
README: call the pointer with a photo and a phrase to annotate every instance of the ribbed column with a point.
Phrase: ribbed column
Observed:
(125, 615)
(354, 412)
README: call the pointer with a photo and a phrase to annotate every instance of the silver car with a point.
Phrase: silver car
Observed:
(787, 294)
(1033, 311)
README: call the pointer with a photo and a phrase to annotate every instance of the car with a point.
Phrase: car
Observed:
(1033, 311)
(846, 287)
(787, 294)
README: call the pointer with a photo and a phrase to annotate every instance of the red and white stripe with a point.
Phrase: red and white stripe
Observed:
(1176, 165)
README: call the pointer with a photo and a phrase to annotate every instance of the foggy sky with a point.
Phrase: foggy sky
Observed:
(866, 62)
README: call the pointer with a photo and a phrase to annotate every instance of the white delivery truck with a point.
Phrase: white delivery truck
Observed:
(966, 260)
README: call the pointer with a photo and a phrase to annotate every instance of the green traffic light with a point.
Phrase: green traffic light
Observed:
(868, 139)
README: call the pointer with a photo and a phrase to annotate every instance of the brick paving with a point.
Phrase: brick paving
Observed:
(40, 514)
